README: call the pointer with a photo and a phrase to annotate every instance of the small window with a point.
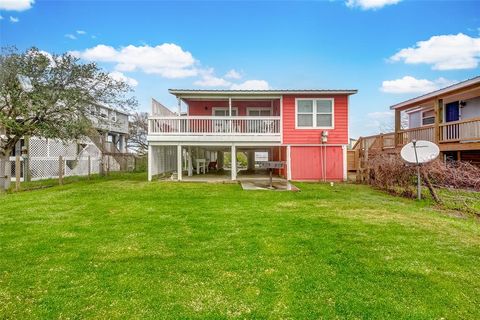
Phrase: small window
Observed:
(428, 117)
(315, 113)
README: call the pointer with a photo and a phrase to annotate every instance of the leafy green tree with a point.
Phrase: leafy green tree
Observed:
(51, 96)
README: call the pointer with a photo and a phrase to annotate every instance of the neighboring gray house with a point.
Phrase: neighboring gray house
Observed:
(40, 156)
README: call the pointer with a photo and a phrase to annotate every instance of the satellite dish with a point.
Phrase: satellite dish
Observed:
(420, 151)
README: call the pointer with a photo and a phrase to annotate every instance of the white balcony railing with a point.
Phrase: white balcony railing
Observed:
(199, 125)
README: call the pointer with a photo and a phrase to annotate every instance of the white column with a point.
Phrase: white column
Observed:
(150, 164)
(281, 119)
(179, 102)
(345, 173)
(190, 166)
(233, 160)
(179, 162)
(230, 113)
(289, 163)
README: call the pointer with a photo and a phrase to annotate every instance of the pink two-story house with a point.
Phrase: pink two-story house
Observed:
(305, 129)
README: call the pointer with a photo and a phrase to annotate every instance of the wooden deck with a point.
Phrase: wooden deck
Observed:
(458, 136)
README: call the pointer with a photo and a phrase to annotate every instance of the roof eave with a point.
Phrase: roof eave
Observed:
(431, 95)
(185, 92)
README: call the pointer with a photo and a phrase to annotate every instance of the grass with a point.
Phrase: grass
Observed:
(124, 248)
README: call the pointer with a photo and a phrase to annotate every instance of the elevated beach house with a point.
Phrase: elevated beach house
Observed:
(226, 133)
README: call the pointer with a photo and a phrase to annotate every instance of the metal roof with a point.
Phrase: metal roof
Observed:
(446, 90)
(182, 92)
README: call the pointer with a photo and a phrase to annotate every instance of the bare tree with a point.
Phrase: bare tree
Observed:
(138, 130)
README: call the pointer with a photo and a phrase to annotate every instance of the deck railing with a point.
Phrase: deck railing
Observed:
(450, 132)
(460, 131)
(421, 133)
(192, 125)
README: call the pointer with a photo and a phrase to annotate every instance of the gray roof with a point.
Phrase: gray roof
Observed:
(182, 92)
(433, 94)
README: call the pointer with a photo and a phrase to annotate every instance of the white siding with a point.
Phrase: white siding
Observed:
(472, 109)
(415, 119)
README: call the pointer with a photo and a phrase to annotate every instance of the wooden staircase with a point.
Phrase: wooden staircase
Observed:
(109, 149)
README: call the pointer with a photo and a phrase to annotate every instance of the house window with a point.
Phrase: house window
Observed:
(223, 112)
(428, 117)
(314, 113)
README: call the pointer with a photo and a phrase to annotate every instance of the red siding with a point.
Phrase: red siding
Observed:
(337, 135)
(204, 108)
(307, 163)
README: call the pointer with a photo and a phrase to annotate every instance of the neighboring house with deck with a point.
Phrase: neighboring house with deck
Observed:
(40, 157)
(305, 129)
(450, 117)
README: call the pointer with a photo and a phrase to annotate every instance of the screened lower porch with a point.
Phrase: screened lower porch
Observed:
(213, 163)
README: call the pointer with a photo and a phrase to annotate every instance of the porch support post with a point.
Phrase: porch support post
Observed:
(190, 166)
(289, 163)
(179, 162)
(233, 160)
(230, 113)
(150, 164)
(179, 106)
(437, 107)
(398, 127)
(344, 150)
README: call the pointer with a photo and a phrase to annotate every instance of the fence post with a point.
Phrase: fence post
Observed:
(17, 173)
(60, 170)
(89, 167)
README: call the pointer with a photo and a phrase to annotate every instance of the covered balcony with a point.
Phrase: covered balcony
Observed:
(217, 118)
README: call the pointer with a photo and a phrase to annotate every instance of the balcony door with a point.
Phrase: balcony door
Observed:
(452, 113)
(260, 126)
(259, 112)
(223, 112)
(222, 125)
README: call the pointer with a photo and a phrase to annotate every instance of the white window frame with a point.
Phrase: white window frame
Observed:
(259, 109)
(314, 115)
(224, 108)
(422, 117)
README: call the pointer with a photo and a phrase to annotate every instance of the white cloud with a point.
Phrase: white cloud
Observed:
(445, 52)
(70, 36)
(370, 4)
(208, 79)
(116, 75)
(81, 32)
(233, 74)
(409, 84)
(16, 5)
(1, 18)
(251, 85)
(167, 60)
(14, 19)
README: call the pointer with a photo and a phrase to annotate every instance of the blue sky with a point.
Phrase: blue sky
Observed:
(370, 45)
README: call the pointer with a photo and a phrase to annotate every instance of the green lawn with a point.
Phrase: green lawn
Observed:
(124, 248)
